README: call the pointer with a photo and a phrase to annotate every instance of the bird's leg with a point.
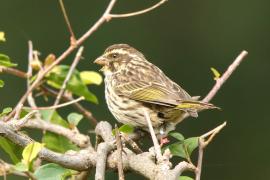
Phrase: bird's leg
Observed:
(163, 138)
(163, 141)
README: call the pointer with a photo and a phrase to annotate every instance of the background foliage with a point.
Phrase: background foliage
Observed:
(185, 39)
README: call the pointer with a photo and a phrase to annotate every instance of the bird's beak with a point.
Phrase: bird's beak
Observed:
(100, 61)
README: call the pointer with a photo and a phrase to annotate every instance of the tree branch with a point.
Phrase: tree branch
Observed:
(220, 81)
(74, 136)
(13, 71)
(121, 175)
(202, 144)
(104, 130)
(72, 35)
(59, 105)
(138, 12)
(82, 160)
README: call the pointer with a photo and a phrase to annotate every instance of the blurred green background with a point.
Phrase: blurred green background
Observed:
(184, 38)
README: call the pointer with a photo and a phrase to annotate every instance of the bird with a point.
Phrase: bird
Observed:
(133, 85)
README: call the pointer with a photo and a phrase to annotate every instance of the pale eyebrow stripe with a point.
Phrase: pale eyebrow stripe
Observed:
(121, 51)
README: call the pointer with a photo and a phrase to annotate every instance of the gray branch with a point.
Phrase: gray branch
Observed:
(85, 159)
(74, 136)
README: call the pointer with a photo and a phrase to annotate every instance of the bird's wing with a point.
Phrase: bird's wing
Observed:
(148, 92)
(160, 94)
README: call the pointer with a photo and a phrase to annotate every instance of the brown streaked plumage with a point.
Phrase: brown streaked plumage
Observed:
(133, 84)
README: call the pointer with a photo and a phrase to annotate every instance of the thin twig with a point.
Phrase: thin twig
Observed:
(13, 71)
(30, 59)
(138, 12)
(153, 136)
(220, 81)
(71, 69)
(63, 9)
(119, 149)
(30, 175)
(202, 144)
(18, 111)
(214, 131)
(60, 105)
(198, 170)
(30, 99)
(17, 124)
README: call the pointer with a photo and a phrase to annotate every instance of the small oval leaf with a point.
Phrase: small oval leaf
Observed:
(52, 171)
(191, 144)
(126, 129)
(31, 151)
(2, 36)
(177, 149)
(57, 75)
(177, 136)
(5, 61)
(91, 77)
(5, 111)
(216, 73)
(185, 178)
(74, 118)
(2, 83)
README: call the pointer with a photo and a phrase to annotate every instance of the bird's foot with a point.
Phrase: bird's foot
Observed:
(164, 141)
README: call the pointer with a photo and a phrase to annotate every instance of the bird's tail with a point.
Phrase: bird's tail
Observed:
(193, 106)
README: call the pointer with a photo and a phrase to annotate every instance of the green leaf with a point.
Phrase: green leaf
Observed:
(2, 36)
(126, 128)
(185, 178)
(91, 77)
(177, 136)
(22, 167)
(184, 148)
(216, 73)
(53, 117)
(57, 76)
(58, 143)
(74, 118)
(191, 144)
(2, 83)
(5, 61)
(54, 141)
(5, 111)
(30, 152)
(52, 171)
(177, 149)
(14, 151)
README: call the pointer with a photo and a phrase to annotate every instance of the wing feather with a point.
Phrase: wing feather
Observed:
(148, 92)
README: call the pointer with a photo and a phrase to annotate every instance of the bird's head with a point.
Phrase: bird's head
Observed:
(117, 56)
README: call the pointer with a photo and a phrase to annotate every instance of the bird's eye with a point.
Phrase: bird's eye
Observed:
(114, 55)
